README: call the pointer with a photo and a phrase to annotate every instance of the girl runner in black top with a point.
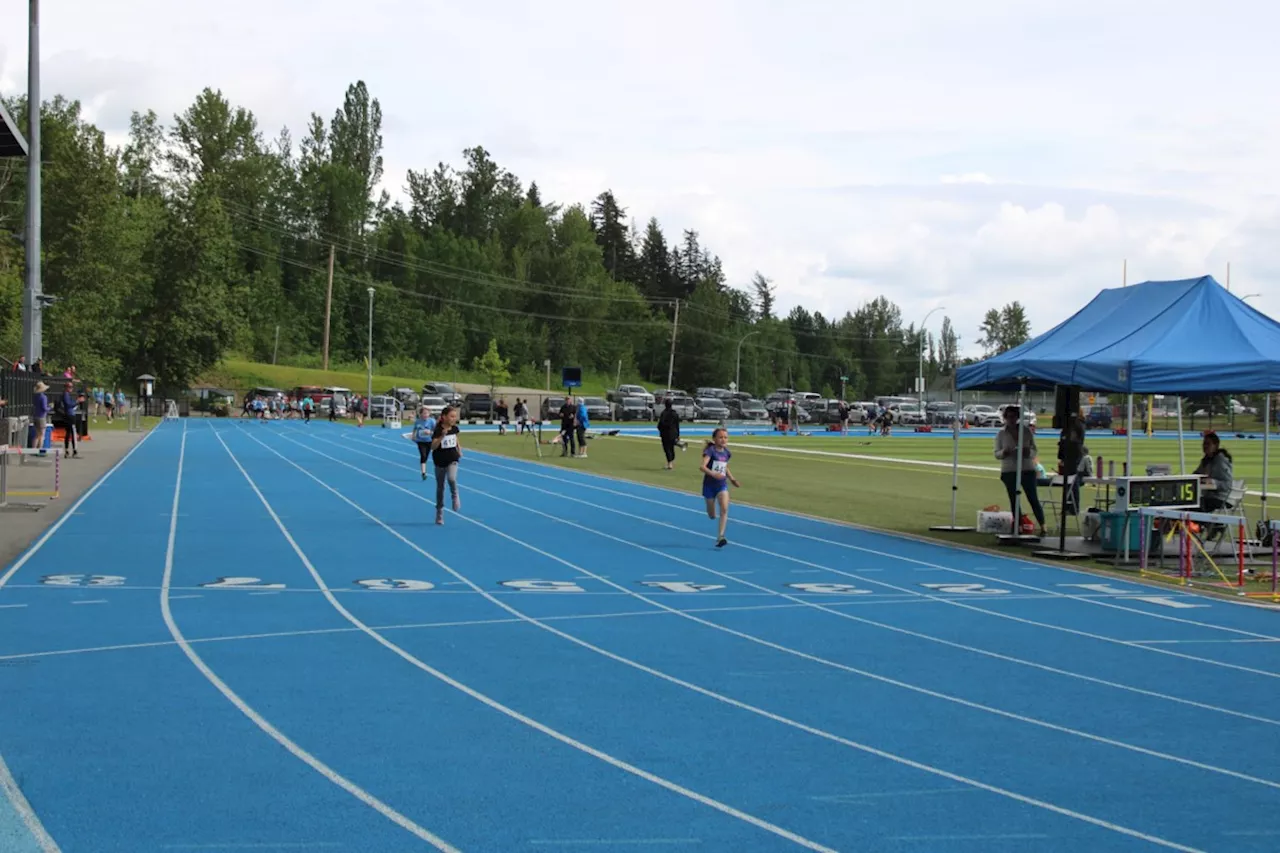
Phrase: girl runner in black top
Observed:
(446, 451)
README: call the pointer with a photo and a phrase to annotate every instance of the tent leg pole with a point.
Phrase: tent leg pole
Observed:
(1128, 440)
(1266, 456)
(1182, 445)
(955, 466)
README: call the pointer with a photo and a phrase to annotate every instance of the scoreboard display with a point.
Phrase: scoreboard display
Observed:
(1165, 492)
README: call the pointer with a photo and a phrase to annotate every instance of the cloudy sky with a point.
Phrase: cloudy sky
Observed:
(940, 153)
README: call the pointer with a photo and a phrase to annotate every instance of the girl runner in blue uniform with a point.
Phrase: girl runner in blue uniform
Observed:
(716, 478)
(423, 427)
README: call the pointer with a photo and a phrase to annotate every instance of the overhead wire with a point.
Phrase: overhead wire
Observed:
(390, 257)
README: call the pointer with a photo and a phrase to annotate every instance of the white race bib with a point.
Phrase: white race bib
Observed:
(718, 466)
(449, 442)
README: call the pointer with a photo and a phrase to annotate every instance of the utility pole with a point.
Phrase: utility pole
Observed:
(737, 373)
(328, 305)
(276, 352)
(671, 362)
(32, 303)
(371, 352)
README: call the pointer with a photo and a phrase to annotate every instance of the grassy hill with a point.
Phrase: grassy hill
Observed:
(235, 374)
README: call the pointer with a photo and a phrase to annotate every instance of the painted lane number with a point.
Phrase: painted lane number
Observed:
(682, 586)
(82, 580)
(830, 588)
(965, 588)
(241, 583)
(394, 584)
(543, 586)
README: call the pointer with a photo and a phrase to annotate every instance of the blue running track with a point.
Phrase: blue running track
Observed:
(254, 637)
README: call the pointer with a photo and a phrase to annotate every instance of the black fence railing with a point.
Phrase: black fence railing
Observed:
(17, 389)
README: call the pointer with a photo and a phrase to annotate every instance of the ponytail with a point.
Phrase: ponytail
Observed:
(444, 415)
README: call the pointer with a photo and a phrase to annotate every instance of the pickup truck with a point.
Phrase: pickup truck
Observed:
(623, 391)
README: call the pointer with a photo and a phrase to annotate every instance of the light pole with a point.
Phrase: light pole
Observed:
(920, 366)
(32, 302)
(737, 374)
(370, 362)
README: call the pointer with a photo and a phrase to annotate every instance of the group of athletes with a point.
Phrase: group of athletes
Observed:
(439, 442)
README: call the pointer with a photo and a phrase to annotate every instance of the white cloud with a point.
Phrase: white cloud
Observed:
(940, 154)
(968, 178)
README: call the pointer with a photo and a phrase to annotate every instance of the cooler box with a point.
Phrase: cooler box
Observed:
(995, 522)
(1112, 533)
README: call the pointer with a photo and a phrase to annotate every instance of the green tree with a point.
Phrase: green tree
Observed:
(948, 348)
(188, 321)
(1004, 328)
(765, 293)
(607, 218)
(1015, 328)
(492, 366)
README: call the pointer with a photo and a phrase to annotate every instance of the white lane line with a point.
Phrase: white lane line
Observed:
(93, 601)
(926, 566)
(870, 750)
(57, 525)
(905, 631)
(475, 694)
(827, 522)
(10, 606)
(1022, 718)
(244, 708)
(1193, 642)
(614, 842)
(877, 795)
(411, 626)
(23, 808)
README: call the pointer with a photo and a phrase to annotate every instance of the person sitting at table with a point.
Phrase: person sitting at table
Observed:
(1216, 466)
(1014, 471)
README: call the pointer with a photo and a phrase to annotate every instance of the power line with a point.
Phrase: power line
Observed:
(444, 299)
(399, 259)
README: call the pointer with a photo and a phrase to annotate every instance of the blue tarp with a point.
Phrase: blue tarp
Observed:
(1185, 337)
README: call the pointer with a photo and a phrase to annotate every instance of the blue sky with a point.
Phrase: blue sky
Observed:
(938, 153)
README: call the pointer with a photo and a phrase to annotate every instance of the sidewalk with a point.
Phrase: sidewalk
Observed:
(20, 527)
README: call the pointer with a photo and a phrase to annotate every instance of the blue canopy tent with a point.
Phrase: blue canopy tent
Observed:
(1184, 337)
(1159, 337)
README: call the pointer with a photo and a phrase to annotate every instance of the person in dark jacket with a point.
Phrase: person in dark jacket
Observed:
(67, 409)
(669, 432)
(1217, 467)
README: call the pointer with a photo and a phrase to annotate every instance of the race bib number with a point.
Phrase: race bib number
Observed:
(718, 466)
(449, 442)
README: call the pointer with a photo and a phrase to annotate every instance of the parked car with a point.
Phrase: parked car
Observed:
(781, 409)
(381, 405)
(941, 412)
(443, 390)
(435, 404)
(909, 414)
(748, 410)
(598, 409)
(1098, 417)
(477, 405)
(711, 409)
(624, 391)
(634, 409)
(550, 410)
(684, 407)
(982, 415)
(405, 395)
